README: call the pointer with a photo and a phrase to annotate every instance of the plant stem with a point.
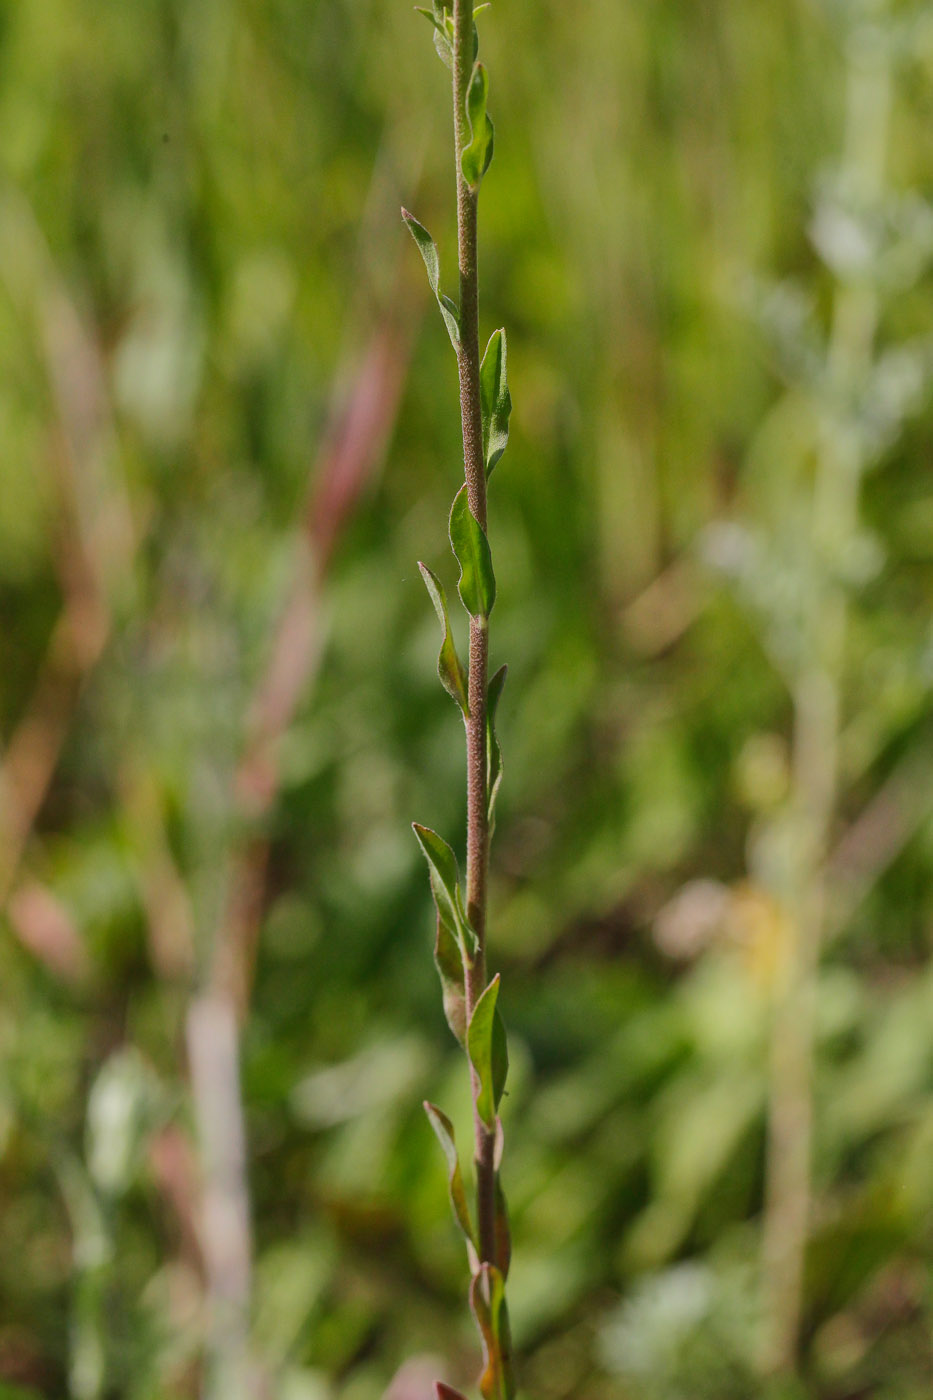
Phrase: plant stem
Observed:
(213, 1054)
(816, 700)
(475, 472)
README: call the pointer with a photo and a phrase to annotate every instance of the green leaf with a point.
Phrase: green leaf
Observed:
(445, 885)
(488, 1052)
(449, 962)
(487, 1301)
(442, 36)
(429, 15)
(445, 1136)
(444, 31)
(449, 669)
(493, 752)
(444, 871)
(476, 155)
(428, 250)
(496, 400)
(445, 50)
(477, 586)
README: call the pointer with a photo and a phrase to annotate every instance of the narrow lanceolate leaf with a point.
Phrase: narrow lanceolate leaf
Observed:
(496, 399)
(442, 36)
(477, 586)
(449, 668)
(445, 1136)
(445, 885)
(487, 1301)
(476, 155)
(449, 962)
(493, 752)
(429, 15)
(444, 872)
(486, 1047)
(428, 250)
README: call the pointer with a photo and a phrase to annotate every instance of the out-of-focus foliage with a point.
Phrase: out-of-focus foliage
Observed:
(209, 318)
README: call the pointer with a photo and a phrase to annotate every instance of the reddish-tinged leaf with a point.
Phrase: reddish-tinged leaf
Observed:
(487, 1301)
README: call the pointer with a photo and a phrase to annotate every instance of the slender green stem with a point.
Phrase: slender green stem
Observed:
(816, 700)
(475, 472)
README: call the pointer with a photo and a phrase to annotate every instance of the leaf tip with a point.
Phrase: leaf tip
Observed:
(446, 1392)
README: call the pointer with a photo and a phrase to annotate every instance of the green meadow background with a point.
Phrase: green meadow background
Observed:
(228, 431)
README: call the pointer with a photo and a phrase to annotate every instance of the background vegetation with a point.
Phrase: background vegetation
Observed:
(228, 420)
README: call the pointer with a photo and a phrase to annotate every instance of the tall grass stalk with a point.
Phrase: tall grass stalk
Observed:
(470, 998)
(816, 694)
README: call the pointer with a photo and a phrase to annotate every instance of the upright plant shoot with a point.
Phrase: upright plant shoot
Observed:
(470, 997)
